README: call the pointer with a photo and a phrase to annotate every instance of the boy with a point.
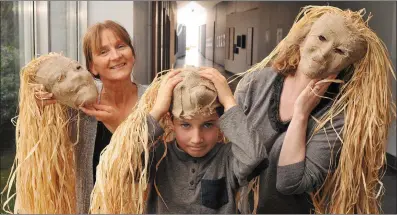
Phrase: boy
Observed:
(200, 173)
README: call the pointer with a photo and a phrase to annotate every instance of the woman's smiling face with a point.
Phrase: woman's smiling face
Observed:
(114, 59)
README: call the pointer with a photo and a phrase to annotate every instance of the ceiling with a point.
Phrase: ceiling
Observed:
(205, 4)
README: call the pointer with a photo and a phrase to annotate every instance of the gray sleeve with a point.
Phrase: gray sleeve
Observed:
(157, 147)
(154, 128)
(247, 150)
(321, 156)
(243, 93)
(84, 151)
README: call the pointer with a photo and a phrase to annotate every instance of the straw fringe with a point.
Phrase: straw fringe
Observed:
(43, 170)
(122, 174)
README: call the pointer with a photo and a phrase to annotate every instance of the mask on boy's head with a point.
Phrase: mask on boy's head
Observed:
(67, 80)
(194, 95)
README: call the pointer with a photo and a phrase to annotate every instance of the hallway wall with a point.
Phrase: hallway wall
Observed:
(181, 29)
(202, 39)
(220, 30)
(173, 26)
(141, 42)
(241, 21)
(209, 37)
(266, 18)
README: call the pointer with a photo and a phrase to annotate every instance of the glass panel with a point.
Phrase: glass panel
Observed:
(10, 66)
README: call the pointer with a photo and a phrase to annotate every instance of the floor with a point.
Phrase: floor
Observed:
(389, 206)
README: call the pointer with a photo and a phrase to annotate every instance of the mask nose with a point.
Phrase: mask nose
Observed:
(325, 50)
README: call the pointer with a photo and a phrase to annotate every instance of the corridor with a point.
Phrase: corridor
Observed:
(194, 58)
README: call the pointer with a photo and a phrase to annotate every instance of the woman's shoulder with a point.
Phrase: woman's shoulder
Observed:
(141, 89)
(257, 78)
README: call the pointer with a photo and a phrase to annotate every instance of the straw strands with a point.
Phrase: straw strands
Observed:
(43, 170)
(122, 173)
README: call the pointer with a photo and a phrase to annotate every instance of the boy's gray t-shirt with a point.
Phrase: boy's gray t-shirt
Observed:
(284, 189)
(207, 184)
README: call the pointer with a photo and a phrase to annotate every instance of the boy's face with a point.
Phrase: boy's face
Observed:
(197, 136)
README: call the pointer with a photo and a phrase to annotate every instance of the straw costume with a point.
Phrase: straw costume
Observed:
(346, 136)
(44, 167)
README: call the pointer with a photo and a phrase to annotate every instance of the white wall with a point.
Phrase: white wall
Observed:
(119, 11)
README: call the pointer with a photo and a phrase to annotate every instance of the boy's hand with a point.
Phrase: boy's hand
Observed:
(164, 95)
(225, 94)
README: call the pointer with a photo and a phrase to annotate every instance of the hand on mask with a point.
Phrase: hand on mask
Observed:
(225, 94)
(310, 97)
(43, 98)
(164, 95)
(110, 116)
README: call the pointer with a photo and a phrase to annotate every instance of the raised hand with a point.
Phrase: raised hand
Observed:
(225, 94)
(311, 96)
(110, 116)
(164, 95)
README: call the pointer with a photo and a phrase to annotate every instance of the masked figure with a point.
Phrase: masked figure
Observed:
(322, 104)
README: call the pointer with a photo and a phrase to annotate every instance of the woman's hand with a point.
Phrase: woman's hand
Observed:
(310, 97)
(225, 94)
(164, 95)
(110, 116)
(43, 98)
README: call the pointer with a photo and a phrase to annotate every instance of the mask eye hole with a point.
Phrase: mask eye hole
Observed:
(61, 77)
(339, 51)
(322, 38)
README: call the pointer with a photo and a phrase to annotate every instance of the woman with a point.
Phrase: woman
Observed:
(325, 141)
(110, 57)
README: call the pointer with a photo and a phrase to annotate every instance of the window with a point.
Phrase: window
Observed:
(28, 29)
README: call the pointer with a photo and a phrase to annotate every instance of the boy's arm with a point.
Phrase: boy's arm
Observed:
(154, 128)
(247, 147)
(249, 154)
